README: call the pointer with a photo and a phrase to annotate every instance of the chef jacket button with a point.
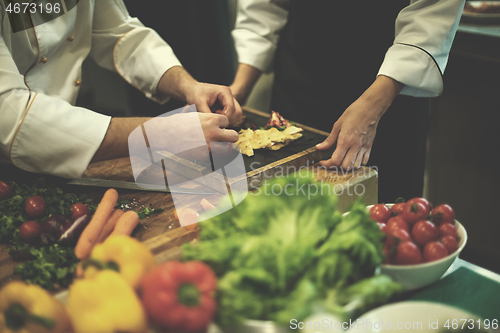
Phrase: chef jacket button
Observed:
(71, 38)
(78, 82)
(44, 60)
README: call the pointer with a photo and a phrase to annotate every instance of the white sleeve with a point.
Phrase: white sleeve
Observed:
(43, 134)
(121, 43)
(256, 32)
(424, 34)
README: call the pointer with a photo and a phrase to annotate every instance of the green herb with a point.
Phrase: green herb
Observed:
(282, 256)
(147, 211)
(48, 266)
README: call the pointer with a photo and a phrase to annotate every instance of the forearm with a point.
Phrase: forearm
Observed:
(115, 143)
(381, 94)
(244, 81)
(176, 82)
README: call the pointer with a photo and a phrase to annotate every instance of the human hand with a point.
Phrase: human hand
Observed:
(354, 132)
(210, 98)
(185, 134)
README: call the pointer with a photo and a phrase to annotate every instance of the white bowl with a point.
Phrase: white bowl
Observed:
(417, 276)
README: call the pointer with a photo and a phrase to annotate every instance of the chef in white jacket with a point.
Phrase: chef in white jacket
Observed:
(338, 67)
(41, 129)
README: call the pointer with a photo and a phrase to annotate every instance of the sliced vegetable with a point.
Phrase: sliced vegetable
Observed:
(71, 234)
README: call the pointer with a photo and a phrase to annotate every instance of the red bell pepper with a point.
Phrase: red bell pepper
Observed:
(180, 296)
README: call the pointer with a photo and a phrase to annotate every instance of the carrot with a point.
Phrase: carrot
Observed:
(92, 231)
(126, 223)
(110, 225)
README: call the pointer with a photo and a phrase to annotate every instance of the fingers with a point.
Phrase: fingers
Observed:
(331, 139)
(227, 135)
(216, 130)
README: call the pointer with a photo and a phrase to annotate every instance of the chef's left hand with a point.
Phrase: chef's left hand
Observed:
(354, 132)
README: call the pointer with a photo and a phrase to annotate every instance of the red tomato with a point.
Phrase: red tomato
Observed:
(5, 191)
(450, 243)
(448, 229)
(424, 232)
(443, 214)
(397, 209)
(423, 201)
(413, 212)
(379, 213)
(408, 254)
(397, 222)
(389, 257)
(78, 210)
(29, 232)
(35, 206)
(396, 236)
(434, 251)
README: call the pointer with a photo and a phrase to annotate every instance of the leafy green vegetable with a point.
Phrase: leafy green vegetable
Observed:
(279, 257)
(48, 266)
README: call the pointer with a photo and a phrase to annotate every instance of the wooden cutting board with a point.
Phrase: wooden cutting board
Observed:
(264, 164)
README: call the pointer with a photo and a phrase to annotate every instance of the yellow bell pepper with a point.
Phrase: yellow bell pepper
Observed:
(26, 308)
(105, 303)
(124, 254)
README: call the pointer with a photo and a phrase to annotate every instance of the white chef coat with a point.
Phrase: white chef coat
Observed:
(40, 73)
(424, 34)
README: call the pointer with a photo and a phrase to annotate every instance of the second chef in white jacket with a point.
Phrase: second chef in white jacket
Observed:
(338, 67)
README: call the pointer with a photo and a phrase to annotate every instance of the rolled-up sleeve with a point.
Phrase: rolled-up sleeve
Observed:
(43, 134)
(424, 34)
(123, 44)
(256, 32)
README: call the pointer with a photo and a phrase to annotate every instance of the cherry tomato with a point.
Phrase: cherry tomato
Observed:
(396, 236)
(443, 214)
(450, 243)
(423, 201)
(35, 206)
(408, 254)
(78, 209)
(424, 232)
(397, 222)
(448, 229)
(5, 191)
(379, 213)
(413, 212)
(389, 256)
(29, 232)
(397, 209)
(434, 251)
